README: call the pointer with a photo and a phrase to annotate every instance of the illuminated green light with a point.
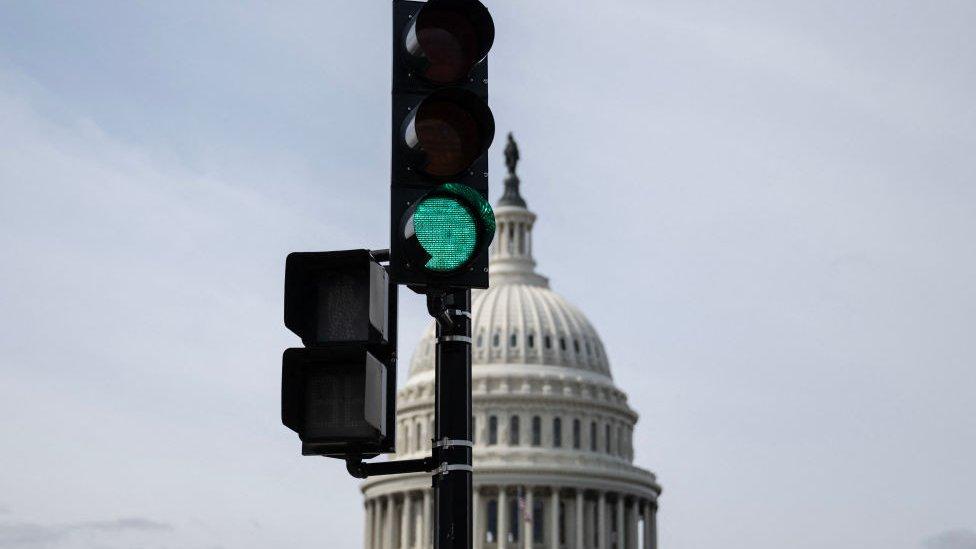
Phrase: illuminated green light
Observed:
(447, 231)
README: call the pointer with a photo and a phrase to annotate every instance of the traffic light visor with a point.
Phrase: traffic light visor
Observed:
(447, 228)
(448, 38)
(449, 130)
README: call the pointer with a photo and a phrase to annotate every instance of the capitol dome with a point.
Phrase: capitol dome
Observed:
(524, 323)
(553, 453)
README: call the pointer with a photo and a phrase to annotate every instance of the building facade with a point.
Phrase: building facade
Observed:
(553, 454)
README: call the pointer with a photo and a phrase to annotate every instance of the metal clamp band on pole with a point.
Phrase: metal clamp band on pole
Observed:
(445, 468)
(447, 443)
(459, 312)
(457, 338)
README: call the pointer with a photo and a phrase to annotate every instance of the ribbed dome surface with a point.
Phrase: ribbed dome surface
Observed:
(525, 324)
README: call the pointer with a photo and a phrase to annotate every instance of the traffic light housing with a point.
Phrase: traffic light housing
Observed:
(440, 220)
(339, 391)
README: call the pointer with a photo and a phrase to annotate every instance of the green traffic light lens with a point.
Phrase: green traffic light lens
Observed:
(447, 230)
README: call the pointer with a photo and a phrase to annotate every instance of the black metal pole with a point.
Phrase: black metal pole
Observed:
(452, 425)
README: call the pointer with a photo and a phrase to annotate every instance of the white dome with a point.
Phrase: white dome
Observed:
(522, 323)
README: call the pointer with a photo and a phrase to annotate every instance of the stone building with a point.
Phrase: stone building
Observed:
(553, 452)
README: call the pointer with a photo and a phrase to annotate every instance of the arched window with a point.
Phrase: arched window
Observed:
(606, 434)
(593, 436)
(557, 432)
(495, 341)
(562, 344)
(531, 340)
(576, 345)
(536, 431)
(513, 340)
(492, 430)
(513, 431)
(620, 440)
(548, 342)
(420, 439)
(576, 433)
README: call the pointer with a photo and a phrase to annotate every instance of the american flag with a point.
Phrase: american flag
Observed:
(523, 506)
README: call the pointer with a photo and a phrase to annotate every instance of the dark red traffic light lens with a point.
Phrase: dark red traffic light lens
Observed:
(450, 128)
(448, 38)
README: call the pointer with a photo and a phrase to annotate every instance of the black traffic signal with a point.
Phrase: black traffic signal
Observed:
(441, 221)
(339, 392)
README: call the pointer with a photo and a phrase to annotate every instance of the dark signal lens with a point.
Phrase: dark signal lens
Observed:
(451, 129)
(448, 38)
(449, 136)
(450, 43)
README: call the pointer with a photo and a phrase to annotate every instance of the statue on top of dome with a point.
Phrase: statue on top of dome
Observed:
(511, 154)
(511, 196)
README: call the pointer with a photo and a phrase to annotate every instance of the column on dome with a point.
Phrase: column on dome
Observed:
(368, 530)
(603, 529)
(388, 522)
(502, 518)
(580, 521)
(476, 514)
(427, 541)
(529, 521)
(653, 536)
(646, 516)
(377, 525)
(632, 525)
(554, 518)
(620, 522)
(405, 522)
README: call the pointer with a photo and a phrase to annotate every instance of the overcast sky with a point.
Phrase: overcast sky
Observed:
(767, 208)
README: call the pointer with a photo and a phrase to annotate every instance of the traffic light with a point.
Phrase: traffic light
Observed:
(338, 392)
(441, 222)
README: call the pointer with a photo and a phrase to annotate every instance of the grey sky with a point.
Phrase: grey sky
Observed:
(777, 199)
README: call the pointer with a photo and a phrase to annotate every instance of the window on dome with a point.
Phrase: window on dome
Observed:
(562, 343)
(593, 436)
(420, 436)
(538, 524)
(606, 434)
(492, 430)
(481, 339)
(474, 430)
(513, 431)
(531, 340)
(587, 344)
(536, 431)
(513, 340)
(562, 522)
(514, 518)
(576, 345)
(548, 342)
(576, 434)
(620, 440)
(495, 341)
(491, 529)
(557, 432)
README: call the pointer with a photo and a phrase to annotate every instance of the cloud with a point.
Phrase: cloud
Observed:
(26, 534)
(952, 539)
